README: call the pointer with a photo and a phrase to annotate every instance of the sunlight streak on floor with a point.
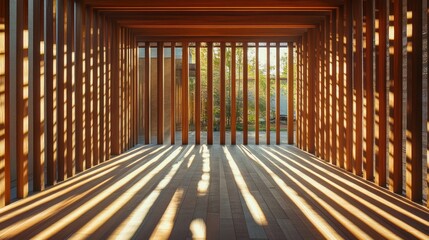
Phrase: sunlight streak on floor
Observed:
(198, 229)
(129, 227)
(253, 206)
(203, 184)
(165, 225)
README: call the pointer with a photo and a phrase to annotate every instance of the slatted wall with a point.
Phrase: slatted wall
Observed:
(67, 77)
(362, 93)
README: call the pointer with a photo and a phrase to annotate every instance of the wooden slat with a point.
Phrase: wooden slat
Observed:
(349, 85)
(299, 96)
(334, 109)
(341, 119)
(173, 93)
(78, 46)
(222, 95)
(381, 155)
(304, 89)
(60, 88)
(115, 123)
(185, 92)
(198, 94)
(291, 94)
(146, 101)
(369, 93)
(210, 93)
(245, 95)
(102, 89)
(399, 91)
(233, 96)
(326, 112)
(70, 161)
(160, 93)
(268, 95)
(16, 104)
(257, 95)
(417, 103)
(34, 81)
(4, 108)
(320, 83)
(311, 92)
(278, 94)
(88, 97)
(95, 95)
(358, 85)
(108, 37)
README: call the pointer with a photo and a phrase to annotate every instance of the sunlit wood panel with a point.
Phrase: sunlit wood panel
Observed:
(160, 92)
(222, 95)
(245, 94)
(185, 91)
(334, 94)
(78, 46)
(268, 99)
(70, 68)
(233, 96)
(341, 83)
(349, 83)
(209, 93)
(278, 94)
(291, 83)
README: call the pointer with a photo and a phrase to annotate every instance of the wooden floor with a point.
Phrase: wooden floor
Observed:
(216, 192)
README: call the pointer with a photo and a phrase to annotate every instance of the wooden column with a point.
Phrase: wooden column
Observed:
(71, 164)
(173, 93)
(115, 122)
(233, 96)
(102, 88)
(382, 78)
(399, 84)
(222, 95)
(349, 83)
(290, 84)
(369, 88)
(16, 102)
(327, 91)
(299, 96)
(322, 40)
(34, 81)
(95, 95)
(257, 95)
(109, 34)
(185, 92)
(210, 93)
(311, 92)
(198, 93)
(358, 85)
(268, 104)
(78, 28)
(160, 93)
(88, 127)
(305, 91)
(417, 103)
(146, 102)
(278, 94)
(60, 88)
(245, 95)
(334, 109)
(4, 108)
(341, 84)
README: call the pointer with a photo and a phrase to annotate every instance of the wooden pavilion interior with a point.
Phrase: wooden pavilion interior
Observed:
(223, 119)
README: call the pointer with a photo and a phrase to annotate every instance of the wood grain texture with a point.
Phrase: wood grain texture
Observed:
(291, 93)
(185, 92)
(222, 94)
(245, 95)
(160, 92)
(233, 95)
(210, 93)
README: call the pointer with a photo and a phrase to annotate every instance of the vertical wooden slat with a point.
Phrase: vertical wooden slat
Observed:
(115, 122)
(35, 131)
(417, 103)
(222, 94)
(399, 91)
(334, 109)
(16, 106)
(5, 159)
(268, 103)
(109, 36)
(257, 95)
(381, 154)
(245, 95)
(369, 82)
(61, 101)
(173, 93)
(88, 124)
(198, 94)
(326, 132)
(160, 93)
(146, 103)
(291, 94)
(233, 96)
(102, 89)
(358, 85)
(341, 119)
(320, 89)
(311, 93)
(69, 85)
(349, 84)
(278, 94)
(305, 90)
(95, 85)
(185, 86)
(78, 27)
(210, 93)
(298, 99)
